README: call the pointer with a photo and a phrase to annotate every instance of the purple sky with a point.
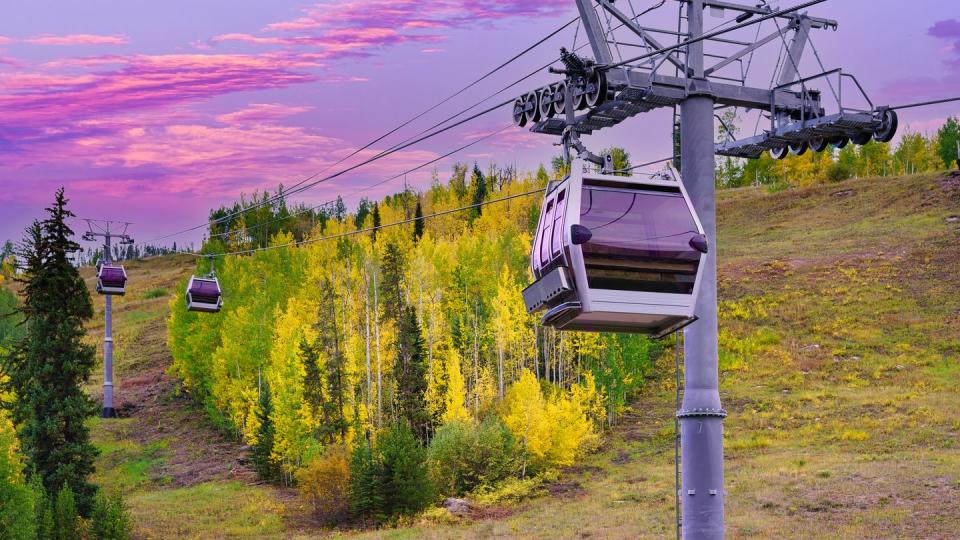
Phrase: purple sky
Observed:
(152, 112)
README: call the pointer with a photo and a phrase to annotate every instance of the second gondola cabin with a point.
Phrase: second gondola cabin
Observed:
(204, 295)
(111, 279)
(616, 254)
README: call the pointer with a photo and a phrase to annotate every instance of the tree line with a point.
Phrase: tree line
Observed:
(913, 153)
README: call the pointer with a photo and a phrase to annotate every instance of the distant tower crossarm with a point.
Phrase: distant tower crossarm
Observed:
(111, 281)
(606, 90)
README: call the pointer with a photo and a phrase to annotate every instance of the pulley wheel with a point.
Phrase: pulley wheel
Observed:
(531, 107)
(888, 126)
(578, 100)
(560, 99)
(819, 144)
(779, 153)
(839, 142)
(862, 138)
(546, 101)
(519, 118)
(799, 149)
(596, 90)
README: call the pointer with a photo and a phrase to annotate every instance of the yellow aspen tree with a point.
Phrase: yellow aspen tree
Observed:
(455, 397)
(525, 415)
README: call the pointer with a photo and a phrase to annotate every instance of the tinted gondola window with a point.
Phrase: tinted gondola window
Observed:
(641, 240)
(545, 229)
(558, 223)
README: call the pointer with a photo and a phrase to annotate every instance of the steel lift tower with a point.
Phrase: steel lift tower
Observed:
(614, 86)
(110, 282)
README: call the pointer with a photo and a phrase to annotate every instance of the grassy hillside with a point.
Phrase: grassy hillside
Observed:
(840, 340)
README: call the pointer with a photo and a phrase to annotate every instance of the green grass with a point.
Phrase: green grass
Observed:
(209, 510)
(155, 293)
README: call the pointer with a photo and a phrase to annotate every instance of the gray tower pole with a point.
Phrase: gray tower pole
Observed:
(108, 410)
(701, 416)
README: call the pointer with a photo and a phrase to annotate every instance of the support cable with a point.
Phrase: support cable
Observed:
(351, 168)
(925, 103)
(365, 188)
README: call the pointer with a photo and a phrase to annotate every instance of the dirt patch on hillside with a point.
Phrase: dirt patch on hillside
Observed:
(193, 451)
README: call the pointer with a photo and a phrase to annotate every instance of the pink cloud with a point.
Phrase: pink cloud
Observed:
(248, 38)
(144, 82)
(261, 113)
(79, 39)
(4, 40)
(357, 28)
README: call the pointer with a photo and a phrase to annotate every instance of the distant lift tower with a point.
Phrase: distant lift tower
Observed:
(625, 78)
(111, 281)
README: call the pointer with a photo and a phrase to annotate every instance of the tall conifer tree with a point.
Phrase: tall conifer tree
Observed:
(410, 373)
(49, 367)
(418, 223)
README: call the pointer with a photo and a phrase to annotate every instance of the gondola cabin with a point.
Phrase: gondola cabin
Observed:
(111, 280)
(203, 294)
(616, 254)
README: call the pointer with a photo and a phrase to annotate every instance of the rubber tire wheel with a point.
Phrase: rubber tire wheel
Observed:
(599, 94)
(839, 142)
(799, 150)
(519, 118)
(532, 113)
(888, 127)
(819, 144)
(559, 107)
(779, 153)
(861, 139)
(545, 102)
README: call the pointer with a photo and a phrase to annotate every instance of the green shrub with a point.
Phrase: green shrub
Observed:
(407, 488)
(463, 457)
(110, 519)
(16, 497)
(366, 481)
(156, 293)
(838, 171)
(43, 510)
(66, 522)
(390, 480)
(325, 483)
(16, 510)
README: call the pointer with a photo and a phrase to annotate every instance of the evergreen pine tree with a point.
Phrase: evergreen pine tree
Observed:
(110, 519)
(332, 372)
(50, 365)
(947, 137)
(406, 487)
(391, 294)
(418, 223)
(312, 381)
(66, 522)
(410, 373)
(478, 188)
(42, 510)
(376, 221)
(366, 486)
(262, 452)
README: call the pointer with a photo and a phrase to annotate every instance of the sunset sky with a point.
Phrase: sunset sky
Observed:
(153, 112)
